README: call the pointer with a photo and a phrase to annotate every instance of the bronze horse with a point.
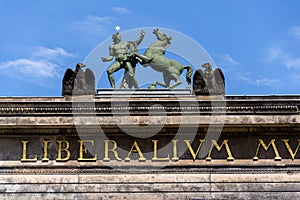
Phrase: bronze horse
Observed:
(154, 57)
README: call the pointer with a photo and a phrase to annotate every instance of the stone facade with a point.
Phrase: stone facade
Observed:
(261, 134)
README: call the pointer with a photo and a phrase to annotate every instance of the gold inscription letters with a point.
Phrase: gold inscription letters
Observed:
(63, 149)
(266, 147)
(83, 149)
(111, 151)
(24, 157)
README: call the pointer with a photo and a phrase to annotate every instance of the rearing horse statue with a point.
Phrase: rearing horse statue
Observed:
(154, 57)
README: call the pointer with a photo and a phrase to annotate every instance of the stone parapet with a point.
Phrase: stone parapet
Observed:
(140, 147)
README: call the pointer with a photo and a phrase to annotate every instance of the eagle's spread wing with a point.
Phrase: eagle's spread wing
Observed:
(220, 80)
(68, 82)
(198, 81)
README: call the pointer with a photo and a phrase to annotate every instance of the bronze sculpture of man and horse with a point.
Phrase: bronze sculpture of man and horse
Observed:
(154, 57)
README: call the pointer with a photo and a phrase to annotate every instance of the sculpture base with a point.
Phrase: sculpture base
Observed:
(79, 97)
(212, 97)
(143, 93)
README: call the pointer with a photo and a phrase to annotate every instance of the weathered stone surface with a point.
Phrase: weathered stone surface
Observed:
(255, 178)
(153, 120)
(153, 185)
(173, 196)
(246, 120)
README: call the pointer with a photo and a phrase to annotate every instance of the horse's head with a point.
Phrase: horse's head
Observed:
(159, 46)
(161, 36)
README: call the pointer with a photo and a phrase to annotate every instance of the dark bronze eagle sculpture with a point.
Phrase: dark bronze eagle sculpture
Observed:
(78, 82)
(209, 82)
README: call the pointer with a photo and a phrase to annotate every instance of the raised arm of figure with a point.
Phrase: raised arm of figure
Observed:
(139, 40)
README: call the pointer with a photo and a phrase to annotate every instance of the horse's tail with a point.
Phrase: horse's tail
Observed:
(188, 75)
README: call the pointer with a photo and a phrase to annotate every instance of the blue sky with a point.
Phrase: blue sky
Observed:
(256, 43)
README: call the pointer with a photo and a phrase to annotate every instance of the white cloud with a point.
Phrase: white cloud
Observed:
(51, 53)
(229, 60)
(120, 10)
(245, 76)
(97, 19)
(229, 66)
(274, 53)
(288, 52)
(295, 32)
(94, 24)
(277, 54)
(42, 65)
(27, 68)
(269, 82)
(291, 62)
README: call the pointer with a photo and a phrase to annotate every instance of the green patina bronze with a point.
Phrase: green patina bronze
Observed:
(155, 57)
(122, 52)
(127, 56)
